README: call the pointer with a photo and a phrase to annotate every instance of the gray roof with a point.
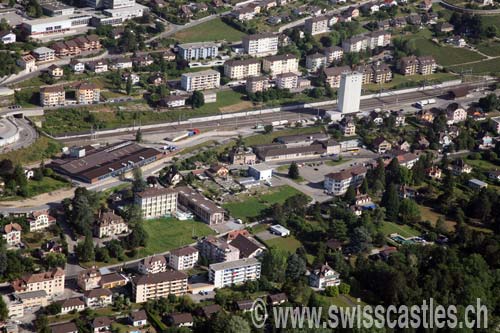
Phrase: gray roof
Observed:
(234, 264)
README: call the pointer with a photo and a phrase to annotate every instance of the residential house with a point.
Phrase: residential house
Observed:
(52, 96)
(242, 156)
(381, 145)
(184, 319)
(348, 126)
(324, 277)
(69, 327)
(27, 62)
(40, 220)
(153, 264)
(112, 280)
(109, 224)
(89, 279)
(74, 304)
(138, 318)
(459, 167)
(98, 298)
(101, 324)
(247, 247)
(277, 299)
(52, 282)
(455, 113)
(315, 61)
(7, 37)
(407, 160)
(434, 172)
(174, 101)
(44, 54)
(87, 93)
(77, 66)
(55, 71)
(97, 66)
(217, 250)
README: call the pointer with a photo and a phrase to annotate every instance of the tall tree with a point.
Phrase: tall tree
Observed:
(390, 200)
(4, 311)
(197, 99)
(138, 136)
(138, 185)
(85, 249)
(295, 268)
(293, 171)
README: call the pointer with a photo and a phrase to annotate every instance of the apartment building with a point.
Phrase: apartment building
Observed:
(44, 54)
(52, 96)
(52, 282)
(204, 209)
(361, 43)
(426, 65)
(72, 304)
(97, 66)
(183, 258)
(154, 286)
(230, 273)
(348, 126)
(241, 69)
(333, 75)
(412, 65)
(261, 45)
(316, 25)
(375, 73)
(280, 64)
(315, 61)
(40, 220)
(157, 202)
(12, 234)
(203, 80)
(109, 224)
(153, 265)
(86, 43)
(217, 249)
(337, 183)
(257, 84)
(66, 48)
(87, 93)
(195, 51)
(287, 81)
(333, 54)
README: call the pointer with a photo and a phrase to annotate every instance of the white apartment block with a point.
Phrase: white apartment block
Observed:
(203, 80)
(154, 286)
(316, 25)
(44, 54)
(40, 220)
(157, 202)
(234, 272)
(52, 96)
(195, 51)
(287, 81)
(337, 183)
(315, 61)
(261, 45)
(153, 265)
(241, 69)
(333, 54)
(280, 64)
(183, 258)
(52, 282)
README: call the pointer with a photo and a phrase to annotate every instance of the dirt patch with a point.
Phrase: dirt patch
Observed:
(237, 107)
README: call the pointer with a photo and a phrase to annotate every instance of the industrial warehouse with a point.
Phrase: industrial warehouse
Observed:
(91, 164)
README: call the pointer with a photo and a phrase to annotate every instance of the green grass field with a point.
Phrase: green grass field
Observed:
(484, 67)
(47, 184)
(251, 206)
(289, 244)
(404, 230)
(214, 30)
(490, 48)
(225, 99)
(491, 20)
(42, 148)
(168, 233)
(445, 55)
(400, 81)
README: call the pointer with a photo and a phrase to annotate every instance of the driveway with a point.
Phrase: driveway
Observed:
(266, 235)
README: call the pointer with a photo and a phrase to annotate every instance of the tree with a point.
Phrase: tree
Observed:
(42, 324)
(138, 136)
(268, 129)
(138, 236)
(364, 186)
(237, 324)
(361, 239)
(197, 99)
(344, 288)
(85, 249)
(274, 263)
(4, 311)
(128, 86)
(332, 291)
(53, 260)
(390, 200)
(159, 26)
(489, 103)
(350, 194)
(295, 268)
(138, 185)
(293, 171)
(409, 211)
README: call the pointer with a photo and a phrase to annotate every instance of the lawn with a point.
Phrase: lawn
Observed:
(400, 81)
(444, 55)
(268, 138)
(47, 184)
(484, 67)
(225, 99)
(42, 148)
(214, 30)
(482, 165)
(251, 206)
(491, 48)
(289, 244)
(491, 20)
(393, 228)
(166, 234)
(428, 214)
(341, 301)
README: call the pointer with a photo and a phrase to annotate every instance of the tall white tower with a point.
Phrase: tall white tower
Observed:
(350, 92)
